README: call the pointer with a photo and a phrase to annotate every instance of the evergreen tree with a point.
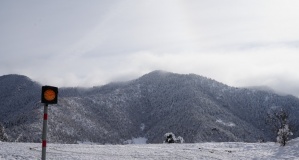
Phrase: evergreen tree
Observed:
(280, 124)
(283, 135)
(3, 136)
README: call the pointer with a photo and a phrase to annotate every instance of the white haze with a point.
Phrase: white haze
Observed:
(76, 43)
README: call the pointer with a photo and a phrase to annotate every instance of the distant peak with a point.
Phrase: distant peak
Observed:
(159, 72)
(15, 77)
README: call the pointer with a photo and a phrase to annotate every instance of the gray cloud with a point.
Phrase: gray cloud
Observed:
(75, 43)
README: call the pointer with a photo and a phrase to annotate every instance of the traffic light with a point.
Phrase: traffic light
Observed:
(49, 95)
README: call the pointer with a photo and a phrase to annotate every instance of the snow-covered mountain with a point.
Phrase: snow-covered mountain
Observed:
(191, 106)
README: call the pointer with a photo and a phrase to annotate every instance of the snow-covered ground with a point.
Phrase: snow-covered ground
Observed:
(209, 151)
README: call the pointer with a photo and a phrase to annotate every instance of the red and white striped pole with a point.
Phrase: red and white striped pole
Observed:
(49, 96)
(44, 135)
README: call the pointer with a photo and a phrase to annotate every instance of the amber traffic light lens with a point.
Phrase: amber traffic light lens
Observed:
(49, 95)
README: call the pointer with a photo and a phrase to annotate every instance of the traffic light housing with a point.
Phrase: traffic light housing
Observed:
(49, 95)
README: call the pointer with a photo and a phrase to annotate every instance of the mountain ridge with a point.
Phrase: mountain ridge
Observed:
(192, 106)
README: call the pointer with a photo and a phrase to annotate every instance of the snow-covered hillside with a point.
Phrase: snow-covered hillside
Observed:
(208, 151)
(194, 107)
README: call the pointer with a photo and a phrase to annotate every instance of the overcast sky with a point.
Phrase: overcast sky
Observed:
(94, 42)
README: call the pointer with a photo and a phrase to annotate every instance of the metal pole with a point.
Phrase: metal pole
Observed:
(44, 136)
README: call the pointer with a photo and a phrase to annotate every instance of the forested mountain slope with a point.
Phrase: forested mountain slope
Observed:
(191, 106)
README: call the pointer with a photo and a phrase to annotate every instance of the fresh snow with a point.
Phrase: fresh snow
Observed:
(139, 140)
(205, 151)
(229, 124)
(142, 126)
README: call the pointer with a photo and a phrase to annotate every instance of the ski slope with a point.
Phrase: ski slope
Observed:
(206, 151)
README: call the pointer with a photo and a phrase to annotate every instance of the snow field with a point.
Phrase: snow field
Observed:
(205, 151)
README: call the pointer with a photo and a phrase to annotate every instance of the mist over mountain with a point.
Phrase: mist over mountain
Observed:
(194, 107)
